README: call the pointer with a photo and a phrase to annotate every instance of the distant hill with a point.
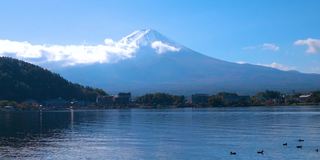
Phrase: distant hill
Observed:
(162, 65)
(21, 81)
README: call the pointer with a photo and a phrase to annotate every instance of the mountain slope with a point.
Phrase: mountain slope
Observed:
(22, 81)
(160, 64)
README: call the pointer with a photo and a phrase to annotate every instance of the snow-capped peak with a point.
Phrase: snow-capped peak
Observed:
(150, 38)
(135, 37)
(146, 37)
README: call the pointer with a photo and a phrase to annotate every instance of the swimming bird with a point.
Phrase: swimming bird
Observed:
(233, 153)
(285, 144)
(301, 140)
(300, 147)
(260, 152)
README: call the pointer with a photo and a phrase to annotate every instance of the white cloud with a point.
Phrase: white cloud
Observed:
(312, 44)
(108, 41)
(68, 54)
(265, 46)
(242, 62)
(272, 65)
(161, 47)
(108, 52)
(278, 66)
(270, 46)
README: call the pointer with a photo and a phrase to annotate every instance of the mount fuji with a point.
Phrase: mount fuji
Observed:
(154, 63)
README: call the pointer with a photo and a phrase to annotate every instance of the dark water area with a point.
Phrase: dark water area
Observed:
(209, 133)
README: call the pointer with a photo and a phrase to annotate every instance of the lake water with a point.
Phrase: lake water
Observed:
(193, 134)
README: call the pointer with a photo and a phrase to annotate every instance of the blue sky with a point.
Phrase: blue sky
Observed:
(264, 32)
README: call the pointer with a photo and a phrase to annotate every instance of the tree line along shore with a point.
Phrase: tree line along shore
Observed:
(165, 100)
(28, 86)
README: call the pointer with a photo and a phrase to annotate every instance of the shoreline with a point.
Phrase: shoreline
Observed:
(148, 107)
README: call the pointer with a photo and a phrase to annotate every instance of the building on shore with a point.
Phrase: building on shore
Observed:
(234, 98)
(105, 100)
(122, 98)
(304, 98)
(200, 98)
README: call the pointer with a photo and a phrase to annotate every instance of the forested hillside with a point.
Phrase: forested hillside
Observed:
(21, 81)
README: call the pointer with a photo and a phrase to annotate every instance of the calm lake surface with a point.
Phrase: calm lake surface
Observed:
(162, 133)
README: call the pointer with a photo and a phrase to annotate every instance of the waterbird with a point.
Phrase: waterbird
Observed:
(300, 147)
(285, 144)
(260, 152)
(301, 140)
(233, 153)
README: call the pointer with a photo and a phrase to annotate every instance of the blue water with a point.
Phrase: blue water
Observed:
(193, 134)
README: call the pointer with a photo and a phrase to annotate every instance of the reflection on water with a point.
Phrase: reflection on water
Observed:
(161, 134)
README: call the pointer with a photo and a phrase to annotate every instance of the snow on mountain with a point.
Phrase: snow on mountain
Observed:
(69, 55)
(159, 64)
(162, 47)
(150, 38)
(144, 37)
(146, 61)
